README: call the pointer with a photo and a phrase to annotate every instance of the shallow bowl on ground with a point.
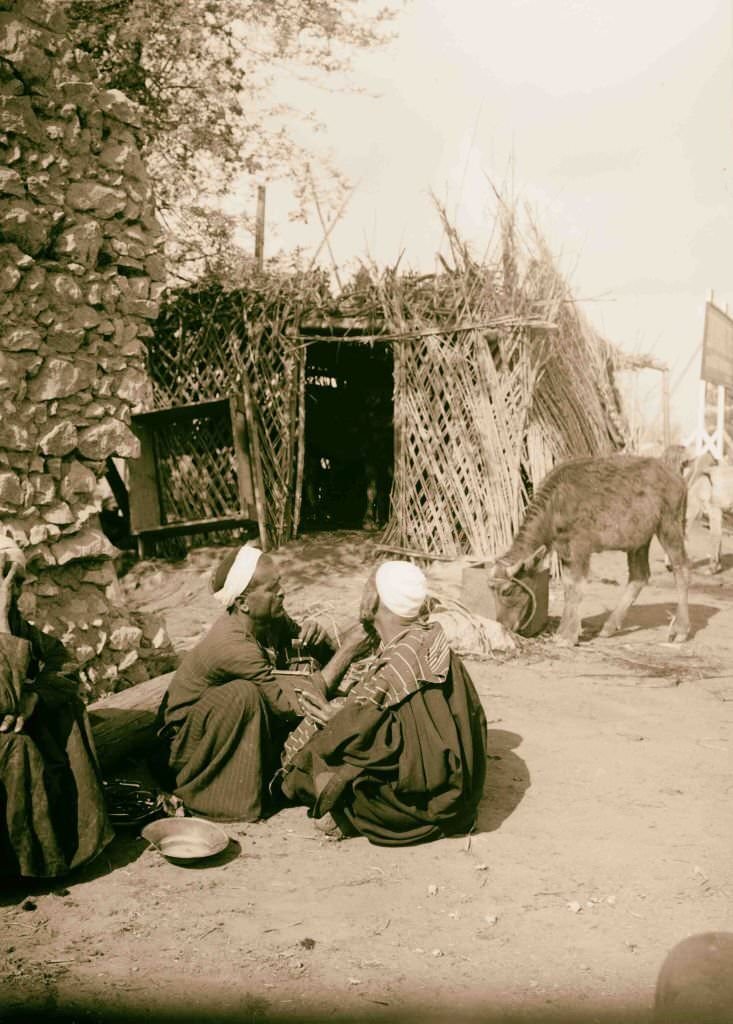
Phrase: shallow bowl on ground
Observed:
(184, 840)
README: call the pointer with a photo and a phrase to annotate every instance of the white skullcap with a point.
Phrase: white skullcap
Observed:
(402, 588)
(239, 576)
(10, 549)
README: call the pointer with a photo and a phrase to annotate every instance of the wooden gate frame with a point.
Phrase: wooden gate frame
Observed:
(147, 519)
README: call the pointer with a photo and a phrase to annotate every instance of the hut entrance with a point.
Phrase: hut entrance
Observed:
(349, 440)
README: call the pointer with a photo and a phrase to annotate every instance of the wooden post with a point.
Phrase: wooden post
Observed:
(146, 507)
(256, 461)
(701, 432)
(260, 228)
(300, 456)
(720, 424)
(666, 425)
(242, 454)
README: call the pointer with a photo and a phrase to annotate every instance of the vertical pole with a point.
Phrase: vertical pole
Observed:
(701, 432)
(300, 463)
(720, 423)
(255, 454)
(666, 426)
(260, 228)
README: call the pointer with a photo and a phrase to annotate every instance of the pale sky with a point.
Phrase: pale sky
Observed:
(617, 121)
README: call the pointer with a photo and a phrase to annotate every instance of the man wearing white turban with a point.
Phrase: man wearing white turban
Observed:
(227, 712)
(52, 811)
(402, 758)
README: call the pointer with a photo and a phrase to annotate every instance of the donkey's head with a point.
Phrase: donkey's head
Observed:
(516, 600)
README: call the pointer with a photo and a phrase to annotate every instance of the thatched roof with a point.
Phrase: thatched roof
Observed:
(498, 375)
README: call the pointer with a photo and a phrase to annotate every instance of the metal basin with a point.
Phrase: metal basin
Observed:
(185, 840)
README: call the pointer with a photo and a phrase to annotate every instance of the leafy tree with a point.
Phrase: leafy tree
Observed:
(205, 73)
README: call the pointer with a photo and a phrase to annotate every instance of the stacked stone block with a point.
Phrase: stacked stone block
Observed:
(81, 273)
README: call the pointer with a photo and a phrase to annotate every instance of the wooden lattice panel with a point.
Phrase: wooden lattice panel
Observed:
(460, 425)
(272, 366)
(205, 364)
(197, 471)
(194, 367)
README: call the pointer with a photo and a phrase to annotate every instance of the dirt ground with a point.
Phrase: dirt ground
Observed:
(604, 838)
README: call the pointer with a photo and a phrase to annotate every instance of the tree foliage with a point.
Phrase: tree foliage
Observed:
(206, 73)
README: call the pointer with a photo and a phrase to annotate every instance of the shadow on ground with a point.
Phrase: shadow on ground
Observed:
(651, 616)
(125, 848)
(700, 564)
(507, 780)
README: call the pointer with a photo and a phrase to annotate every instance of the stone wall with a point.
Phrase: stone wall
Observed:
(80, 277)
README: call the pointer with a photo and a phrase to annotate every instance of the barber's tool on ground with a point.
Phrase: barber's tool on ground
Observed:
(296, 677)
(130, 805)
(186, 840)
(299, 661)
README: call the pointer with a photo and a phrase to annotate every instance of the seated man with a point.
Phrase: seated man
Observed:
(226, 714)
(402, 758)
(52, 811)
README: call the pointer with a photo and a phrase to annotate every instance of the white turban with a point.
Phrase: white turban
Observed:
(402, 588)
(9, 549)
(239, 576)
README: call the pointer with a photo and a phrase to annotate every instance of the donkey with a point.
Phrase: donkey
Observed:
(600, 504)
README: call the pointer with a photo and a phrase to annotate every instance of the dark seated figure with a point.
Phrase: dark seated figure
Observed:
(226, 713)
(402, 758)
(52, 811)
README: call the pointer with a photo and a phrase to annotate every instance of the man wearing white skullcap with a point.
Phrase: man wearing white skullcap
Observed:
(402, 758)
(227, 711)
(402, 587)
(238, 575)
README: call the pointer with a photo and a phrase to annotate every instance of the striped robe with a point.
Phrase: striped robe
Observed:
(403, 760)
(225, 716)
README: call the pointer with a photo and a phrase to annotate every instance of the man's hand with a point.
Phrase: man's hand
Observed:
(312, 633)
(16, 722)
(316, 707)
(357, 641)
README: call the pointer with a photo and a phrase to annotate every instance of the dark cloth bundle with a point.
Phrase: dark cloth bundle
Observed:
(52, 808)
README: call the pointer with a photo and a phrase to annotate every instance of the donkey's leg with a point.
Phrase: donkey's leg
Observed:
(671, 537)
(575, 576)
(638, 562)
(715, 521)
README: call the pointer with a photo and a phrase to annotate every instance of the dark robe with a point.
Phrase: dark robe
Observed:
(225, 717)
(404, 759)
(52, 811)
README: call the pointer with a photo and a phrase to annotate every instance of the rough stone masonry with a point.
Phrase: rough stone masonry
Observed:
(81, 274)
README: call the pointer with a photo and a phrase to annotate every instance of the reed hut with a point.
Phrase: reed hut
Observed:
(453, 392)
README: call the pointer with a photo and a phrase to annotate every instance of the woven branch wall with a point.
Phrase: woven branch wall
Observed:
(197, 469)
(211, 343)
(194, 365)
(460, 426)
(273, 365)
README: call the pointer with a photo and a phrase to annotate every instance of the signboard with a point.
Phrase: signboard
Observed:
(717, 347)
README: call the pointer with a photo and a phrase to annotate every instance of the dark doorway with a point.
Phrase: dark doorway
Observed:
(349, 454)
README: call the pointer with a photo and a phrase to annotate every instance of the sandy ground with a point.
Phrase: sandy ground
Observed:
(604, 838)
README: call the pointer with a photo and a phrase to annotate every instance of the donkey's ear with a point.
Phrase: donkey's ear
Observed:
(536, 559)
(528, 565)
